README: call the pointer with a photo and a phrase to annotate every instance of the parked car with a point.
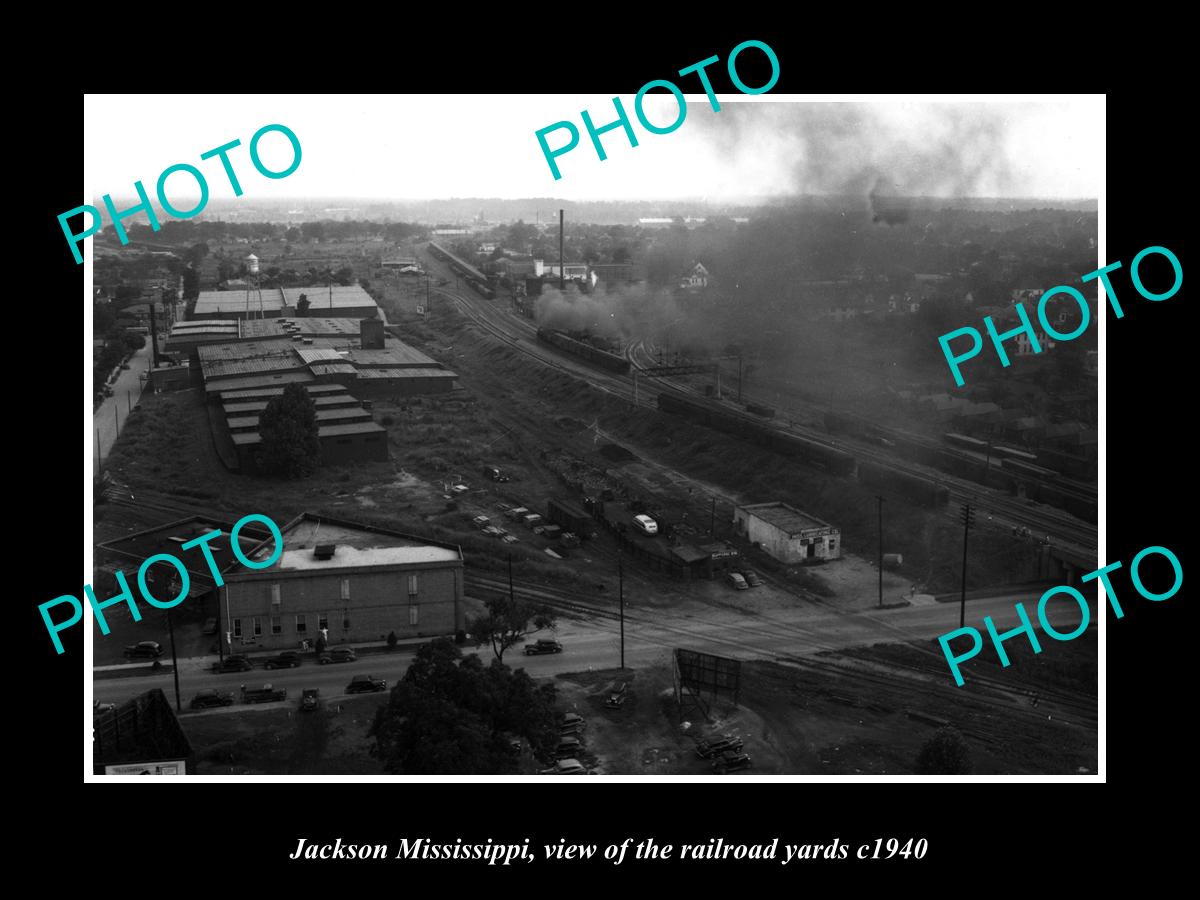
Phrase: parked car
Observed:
(752, 578)
(571, 718)
(98, 707)
(730, 761)
(711, 747)
(144, 650)
(737, 581)
(616, 695)
(338, 655)
(568, 748)
(566, 767)
(210, 625)
(494, 473)
(646, 525)
(310, 699)
(209, 698)
(567, 729)
(543, 646)
(264, 694)
(288, 659)
(233, 664)
(365, 684)
(481, 522)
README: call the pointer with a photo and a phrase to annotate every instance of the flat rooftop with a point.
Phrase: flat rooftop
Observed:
(784, 517)
(355, 546)
(397, 356)
(323, 431)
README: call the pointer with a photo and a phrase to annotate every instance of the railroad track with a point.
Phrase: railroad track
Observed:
(1079, 536)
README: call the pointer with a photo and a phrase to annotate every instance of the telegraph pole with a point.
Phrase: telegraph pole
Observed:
(510, 581)
(968, 519)
(621, 601)
(712, 518)
(879, 497)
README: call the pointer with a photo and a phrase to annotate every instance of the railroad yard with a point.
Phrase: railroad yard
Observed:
(832, 683)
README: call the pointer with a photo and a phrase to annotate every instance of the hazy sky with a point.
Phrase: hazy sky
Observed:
(429, 146)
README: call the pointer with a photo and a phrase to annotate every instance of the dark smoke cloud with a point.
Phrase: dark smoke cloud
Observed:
(882, 153)
(626, 312)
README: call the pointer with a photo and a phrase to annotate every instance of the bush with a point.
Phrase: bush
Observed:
(946, 753)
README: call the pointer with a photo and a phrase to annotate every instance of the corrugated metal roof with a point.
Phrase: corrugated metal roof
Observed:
(257, 382)
(266, 347)
(221, 368)
(318, 354)
(252, 437)
(406, 373)
(398, 355)
(330, 368)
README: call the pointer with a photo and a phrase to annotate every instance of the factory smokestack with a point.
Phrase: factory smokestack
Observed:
(562, 263)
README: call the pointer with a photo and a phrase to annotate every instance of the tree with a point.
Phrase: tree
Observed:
(293, 234)
(506, 621)
(344, 276)
(946, 753)
(288, 428)
(302, 305)
(451, 715)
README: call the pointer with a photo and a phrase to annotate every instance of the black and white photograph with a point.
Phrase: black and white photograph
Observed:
(434, 436)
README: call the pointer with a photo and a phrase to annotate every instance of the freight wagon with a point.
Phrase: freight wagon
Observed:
(594, 355)
(967, 443)
(812, 452)
(1028, 470)
(912, 487)
(571, 518)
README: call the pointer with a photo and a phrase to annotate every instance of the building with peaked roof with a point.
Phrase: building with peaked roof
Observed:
(346, 582)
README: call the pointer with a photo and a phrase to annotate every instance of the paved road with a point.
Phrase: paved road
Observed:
(111, 416)
(649, 638)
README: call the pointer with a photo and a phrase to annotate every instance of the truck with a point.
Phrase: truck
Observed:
(264, 694)
(495, 473)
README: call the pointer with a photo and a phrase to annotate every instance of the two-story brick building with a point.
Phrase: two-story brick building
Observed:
(350, 583)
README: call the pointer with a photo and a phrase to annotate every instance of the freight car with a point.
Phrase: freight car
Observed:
(782, 442)
(913, 487)
(594, 355)
(571, 518)
(967, 443)
(1019, 455)
(1028, 470)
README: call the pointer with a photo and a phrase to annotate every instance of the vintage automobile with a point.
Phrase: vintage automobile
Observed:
(310, 699)
(233, 664)
(264, 694)
(144, 650)
(365, 684)
(616, 695)
(207, 699)
(288, 659)
(338, 655)
(711, 747)
(543, 646)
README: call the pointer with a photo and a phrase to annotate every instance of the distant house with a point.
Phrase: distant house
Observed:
(656, 223)
(487, 247)
(695, 279)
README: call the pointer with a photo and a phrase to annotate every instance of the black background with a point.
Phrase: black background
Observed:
(237, 831)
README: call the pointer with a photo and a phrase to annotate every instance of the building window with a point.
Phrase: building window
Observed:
(301, 625)
(257, 626)
(832, 546)
(413, 615)
(276, 625)
(412, 585)
(237, 628)
(322, 622)
(345, 621)
(345, 588)
(276, 600)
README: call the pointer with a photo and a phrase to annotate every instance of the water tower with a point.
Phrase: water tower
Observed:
(252, 270)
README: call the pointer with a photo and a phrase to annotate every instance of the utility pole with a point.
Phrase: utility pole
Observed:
(621, 601)
(510, 581)
(99, 455)
(174, 662)
(879, 497)
(712, 518)
(968, 519)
